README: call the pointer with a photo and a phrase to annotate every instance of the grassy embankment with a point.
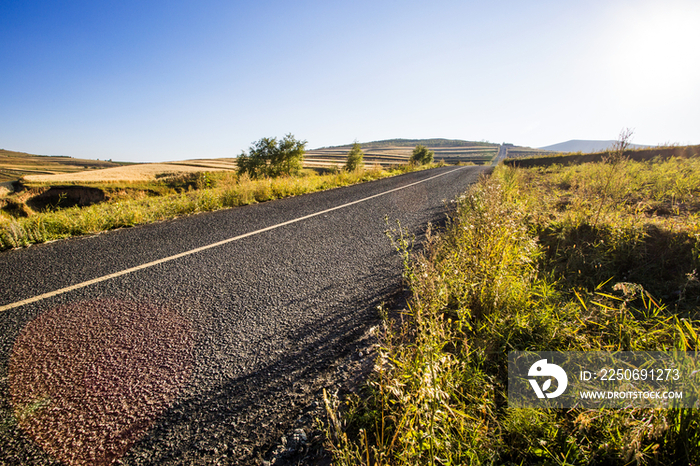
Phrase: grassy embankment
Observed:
(134, 203)
(596, 256)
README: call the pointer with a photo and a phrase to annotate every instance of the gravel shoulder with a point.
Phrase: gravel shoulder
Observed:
(255, 329)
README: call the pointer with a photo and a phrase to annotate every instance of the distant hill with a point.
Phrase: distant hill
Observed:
(586, 146)
(435, 142)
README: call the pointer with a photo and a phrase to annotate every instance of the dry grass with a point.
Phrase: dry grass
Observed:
(222, 164)
(640, 155)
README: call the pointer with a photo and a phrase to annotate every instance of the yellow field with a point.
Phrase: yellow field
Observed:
(139, 173)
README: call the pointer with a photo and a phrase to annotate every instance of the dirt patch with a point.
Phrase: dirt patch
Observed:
(6, 188)
(15, 208)
(66, 196)
(668, 209)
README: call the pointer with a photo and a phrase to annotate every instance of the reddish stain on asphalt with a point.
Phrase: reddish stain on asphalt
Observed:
(87, 380)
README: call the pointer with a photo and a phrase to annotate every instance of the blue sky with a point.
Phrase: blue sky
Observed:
(156, 80)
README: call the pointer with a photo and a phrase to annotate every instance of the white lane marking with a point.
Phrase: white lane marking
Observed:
(103, 278)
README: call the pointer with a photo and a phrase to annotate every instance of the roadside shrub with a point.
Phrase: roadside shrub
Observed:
(355, 158)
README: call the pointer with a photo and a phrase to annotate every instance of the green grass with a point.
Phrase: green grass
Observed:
(132, 204)
(525, 265)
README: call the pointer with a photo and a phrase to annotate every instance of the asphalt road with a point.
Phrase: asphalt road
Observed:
(197, 340)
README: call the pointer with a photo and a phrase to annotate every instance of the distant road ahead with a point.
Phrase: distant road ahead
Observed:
(502, 154)
(197, 340)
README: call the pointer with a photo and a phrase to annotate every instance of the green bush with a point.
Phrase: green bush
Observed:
(422, 155)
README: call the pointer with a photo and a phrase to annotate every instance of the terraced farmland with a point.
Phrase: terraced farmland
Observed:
(398, 151)
(52, 170)
(14, 165)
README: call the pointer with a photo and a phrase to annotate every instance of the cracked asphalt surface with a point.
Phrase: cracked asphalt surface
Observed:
(207, 358)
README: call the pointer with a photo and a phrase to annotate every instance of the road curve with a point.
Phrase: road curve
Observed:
(197, 340)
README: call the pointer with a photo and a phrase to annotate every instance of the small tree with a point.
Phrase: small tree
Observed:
(615, 157)
(267, 157)
(355, 158)
(422, 155)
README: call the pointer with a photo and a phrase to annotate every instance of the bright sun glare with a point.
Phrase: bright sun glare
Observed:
(656, 51)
